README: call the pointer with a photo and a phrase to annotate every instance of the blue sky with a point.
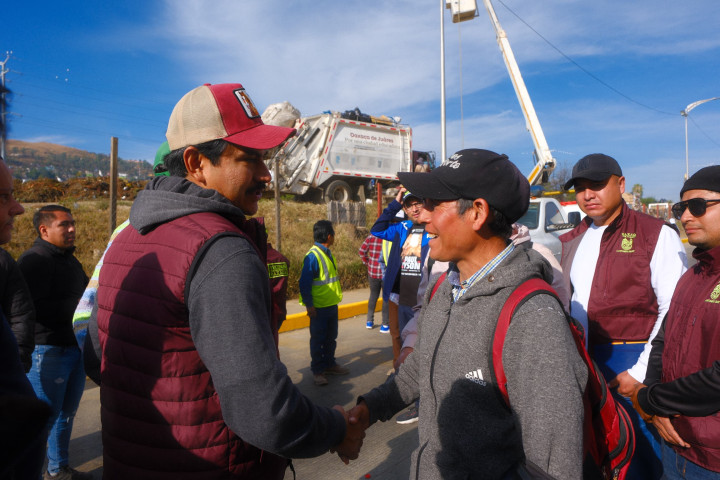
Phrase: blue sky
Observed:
(83, 72)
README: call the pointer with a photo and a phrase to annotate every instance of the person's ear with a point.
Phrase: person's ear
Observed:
(480, 212)
(194, 164)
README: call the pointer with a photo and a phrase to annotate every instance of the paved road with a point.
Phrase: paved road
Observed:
(368, 355)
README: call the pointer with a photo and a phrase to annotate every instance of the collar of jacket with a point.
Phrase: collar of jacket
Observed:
(53, 248)
(708, 260)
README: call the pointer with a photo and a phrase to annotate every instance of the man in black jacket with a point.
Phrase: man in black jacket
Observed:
(22, 415)
(56, 281)
(17, 306)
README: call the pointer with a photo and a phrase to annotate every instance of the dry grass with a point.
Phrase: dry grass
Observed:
(297, 220)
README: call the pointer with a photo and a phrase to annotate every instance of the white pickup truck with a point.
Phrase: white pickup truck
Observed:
(547, 219)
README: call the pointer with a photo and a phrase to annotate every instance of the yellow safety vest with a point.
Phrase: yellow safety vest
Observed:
(326, 290)
(386, 246)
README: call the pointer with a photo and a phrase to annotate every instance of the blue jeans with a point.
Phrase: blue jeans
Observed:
(677, 467)
(615, 359)
(58, 378)
(323, 333)
(405, 314)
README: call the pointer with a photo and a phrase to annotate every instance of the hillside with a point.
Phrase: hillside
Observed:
(30, 161)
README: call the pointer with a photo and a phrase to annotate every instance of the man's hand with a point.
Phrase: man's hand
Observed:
(349, 448)
(360, 415)
(312, 313)
(664, 426)
(401, 358)
(667, 431)
(625, 384)
(401, 192)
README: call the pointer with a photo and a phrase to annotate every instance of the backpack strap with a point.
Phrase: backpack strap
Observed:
(522, 293)
(439, 282)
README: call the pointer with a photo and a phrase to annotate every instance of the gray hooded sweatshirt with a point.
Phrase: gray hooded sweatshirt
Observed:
(229, 321)
(466, 430)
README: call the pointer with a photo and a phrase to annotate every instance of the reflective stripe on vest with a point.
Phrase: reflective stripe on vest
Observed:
(326, 287)
(386, 247)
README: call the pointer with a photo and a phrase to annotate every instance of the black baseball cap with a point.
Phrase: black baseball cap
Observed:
(474, 173)
(595, 167)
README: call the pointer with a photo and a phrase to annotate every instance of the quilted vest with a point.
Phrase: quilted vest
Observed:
(161, 415)
(622, 305)
(692, 343)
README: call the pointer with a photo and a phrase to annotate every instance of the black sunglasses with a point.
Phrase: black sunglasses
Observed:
(697, 206)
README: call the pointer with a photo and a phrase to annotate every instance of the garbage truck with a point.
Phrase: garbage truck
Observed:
(341, 156)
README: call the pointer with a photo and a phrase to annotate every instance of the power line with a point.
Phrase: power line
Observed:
(587, 72)
(74, 128)
(702, 131)
(87, 98)
(81, 86)
(72, 109)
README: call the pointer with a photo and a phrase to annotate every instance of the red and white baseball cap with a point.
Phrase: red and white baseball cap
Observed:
(223, 111)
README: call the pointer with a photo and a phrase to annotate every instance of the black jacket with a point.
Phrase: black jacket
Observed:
(57, 281)
(18, 307)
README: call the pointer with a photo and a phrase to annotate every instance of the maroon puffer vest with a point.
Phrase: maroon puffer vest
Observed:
(622, 305)
(161, 416)
(692, 343)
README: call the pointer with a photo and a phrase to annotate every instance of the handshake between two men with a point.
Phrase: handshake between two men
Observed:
(357, 420)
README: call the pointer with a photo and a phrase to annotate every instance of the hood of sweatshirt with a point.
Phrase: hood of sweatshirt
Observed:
(167, 198)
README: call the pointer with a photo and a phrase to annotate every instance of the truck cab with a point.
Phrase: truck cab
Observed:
(547, 219)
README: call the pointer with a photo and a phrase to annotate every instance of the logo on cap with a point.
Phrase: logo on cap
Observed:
(250, 110)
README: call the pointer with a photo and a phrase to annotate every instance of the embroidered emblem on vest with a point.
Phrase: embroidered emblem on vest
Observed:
(627, 243)
(714, 295)
(276, 270)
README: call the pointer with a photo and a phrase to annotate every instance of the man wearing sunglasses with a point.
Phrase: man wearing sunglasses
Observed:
(622, 266)
(681, 394)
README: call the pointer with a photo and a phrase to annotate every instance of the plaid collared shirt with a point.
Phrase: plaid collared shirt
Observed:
(371, 253)
(459, 288)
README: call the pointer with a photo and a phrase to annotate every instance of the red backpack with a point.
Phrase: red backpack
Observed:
(609, 438)
(608, 435)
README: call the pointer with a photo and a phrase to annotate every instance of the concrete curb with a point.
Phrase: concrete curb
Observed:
(301, 320)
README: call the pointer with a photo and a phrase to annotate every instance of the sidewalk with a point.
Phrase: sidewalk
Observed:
(354, 303)
(368, 355)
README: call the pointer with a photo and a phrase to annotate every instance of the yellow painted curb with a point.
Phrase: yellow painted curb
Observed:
(301, 320)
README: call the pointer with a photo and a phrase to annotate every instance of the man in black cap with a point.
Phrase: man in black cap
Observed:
(403, 269)
(681, 392)
(466, 428)
(622, 266)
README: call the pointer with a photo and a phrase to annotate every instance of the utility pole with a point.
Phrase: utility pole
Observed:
(3, 114)
(113, 182)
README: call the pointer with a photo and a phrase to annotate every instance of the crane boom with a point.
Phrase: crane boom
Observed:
(545, 163)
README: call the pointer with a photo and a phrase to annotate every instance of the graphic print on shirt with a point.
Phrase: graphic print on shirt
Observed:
(411, 268)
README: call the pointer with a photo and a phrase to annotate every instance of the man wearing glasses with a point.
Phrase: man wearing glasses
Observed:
(681, 392)
(403, 271)
(622, 266)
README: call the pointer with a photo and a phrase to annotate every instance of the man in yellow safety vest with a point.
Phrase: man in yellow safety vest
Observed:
(320, 293)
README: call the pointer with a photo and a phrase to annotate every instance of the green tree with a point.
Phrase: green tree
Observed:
(637, 190)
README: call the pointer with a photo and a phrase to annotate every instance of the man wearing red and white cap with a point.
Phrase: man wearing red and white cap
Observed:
(191, 386)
